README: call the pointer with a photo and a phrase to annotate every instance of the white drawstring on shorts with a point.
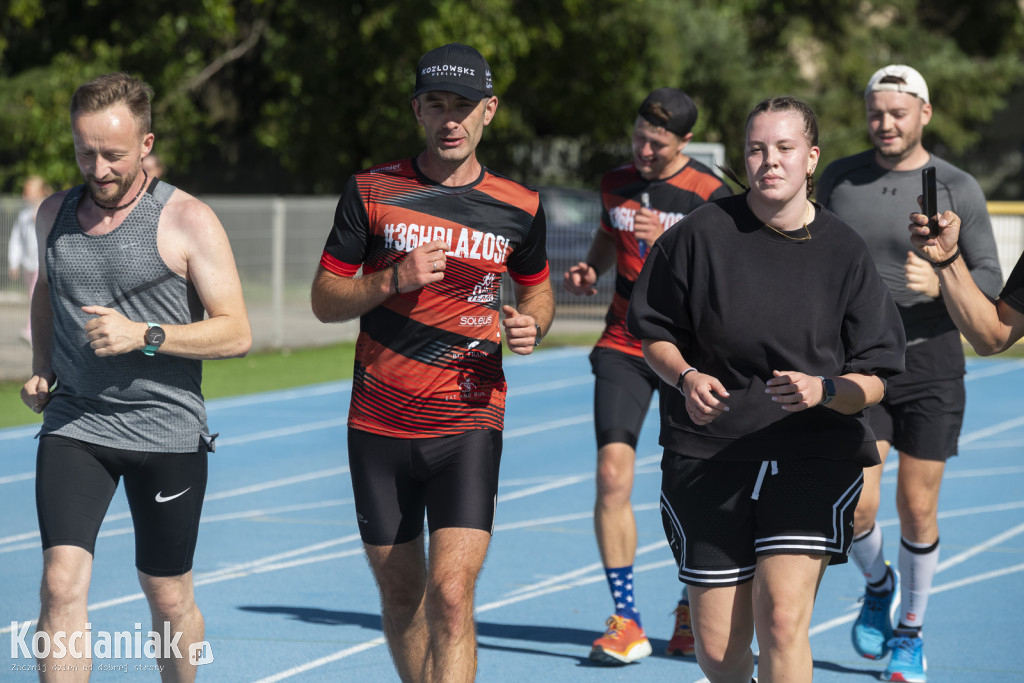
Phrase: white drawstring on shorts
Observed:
(760, 477)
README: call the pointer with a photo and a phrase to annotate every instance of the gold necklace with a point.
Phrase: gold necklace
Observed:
(788, 236)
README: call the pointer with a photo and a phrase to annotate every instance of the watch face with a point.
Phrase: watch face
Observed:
(155, 336)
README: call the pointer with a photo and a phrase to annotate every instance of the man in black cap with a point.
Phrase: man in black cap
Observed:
(433, 235)
(640, 200)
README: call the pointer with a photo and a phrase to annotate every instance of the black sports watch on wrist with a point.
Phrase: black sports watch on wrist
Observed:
(828, 390)
(155, 336)
(536, 340)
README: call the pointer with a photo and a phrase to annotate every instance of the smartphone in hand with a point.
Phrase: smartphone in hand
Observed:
(929, 205)
(645, 202)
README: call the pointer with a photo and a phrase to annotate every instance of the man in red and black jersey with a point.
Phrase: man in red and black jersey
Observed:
(433, 235)
(639, 201)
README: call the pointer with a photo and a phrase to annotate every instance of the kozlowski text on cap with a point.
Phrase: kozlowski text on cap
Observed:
(454, 68)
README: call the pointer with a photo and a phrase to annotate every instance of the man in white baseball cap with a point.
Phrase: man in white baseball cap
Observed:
(922, 412)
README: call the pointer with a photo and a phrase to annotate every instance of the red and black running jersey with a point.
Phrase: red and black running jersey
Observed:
(428, 362)
(671, 198)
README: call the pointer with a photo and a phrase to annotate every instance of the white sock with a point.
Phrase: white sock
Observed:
(868, 556)
(918, 562)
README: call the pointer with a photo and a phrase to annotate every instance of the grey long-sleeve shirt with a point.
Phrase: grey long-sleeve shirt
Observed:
(877, 203)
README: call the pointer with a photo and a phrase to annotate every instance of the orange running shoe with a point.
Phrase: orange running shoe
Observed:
(622, 643)
(681, 642)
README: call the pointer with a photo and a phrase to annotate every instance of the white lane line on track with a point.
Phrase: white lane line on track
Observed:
(205, 519)
(230, 493)
(593, 567)
(568, 480)
(336, 656)
(11, 478)
(551, 386)
(570, 517)
(994, 369)
(951, 562)
(19, 432)
(989, 431)
(576, 578)
(346, 385)
(576, 581)
(561, 482)
(297, 393)
(284, 431)
(979, 548)
(286, 481)
(277, 561)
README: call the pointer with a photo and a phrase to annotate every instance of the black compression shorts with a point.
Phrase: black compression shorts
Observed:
(720, 516)
(454, 479)
(75, 482)
(623, 386)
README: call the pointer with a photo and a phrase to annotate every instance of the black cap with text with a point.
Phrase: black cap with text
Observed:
(454, 68)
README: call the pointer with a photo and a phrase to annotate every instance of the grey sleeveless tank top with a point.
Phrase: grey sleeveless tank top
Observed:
(131, 401)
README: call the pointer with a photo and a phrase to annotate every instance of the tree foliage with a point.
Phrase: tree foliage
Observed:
(291, 96)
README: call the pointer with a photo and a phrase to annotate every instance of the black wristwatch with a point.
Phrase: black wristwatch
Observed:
(536, 340)
(828, 390)
(155, 336)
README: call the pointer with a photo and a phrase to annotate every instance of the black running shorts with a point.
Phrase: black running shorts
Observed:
(75, 482)
(720, 516)
(923, 409)
(623, 386)
(453, 479)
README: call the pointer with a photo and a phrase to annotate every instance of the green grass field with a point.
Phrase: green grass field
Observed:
(280, 370)
(256, 372)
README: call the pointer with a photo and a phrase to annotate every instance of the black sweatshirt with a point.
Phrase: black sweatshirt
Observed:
(740, 301)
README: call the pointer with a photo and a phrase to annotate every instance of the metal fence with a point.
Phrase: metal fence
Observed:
(277, 243)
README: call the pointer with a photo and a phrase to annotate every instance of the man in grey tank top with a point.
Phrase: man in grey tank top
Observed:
(921, 415)
(137, 285)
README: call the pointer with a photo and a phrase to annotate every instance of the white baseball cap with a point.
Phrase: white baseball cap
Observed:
(898, 78)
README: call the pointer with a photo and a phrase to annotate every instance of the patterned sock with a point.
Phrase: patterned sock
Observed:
(918, 563)
(620, 581)
(867, 555)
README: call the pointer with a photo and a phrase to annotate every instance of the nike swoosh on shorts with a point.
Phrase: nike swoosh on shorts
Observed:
(160, 498)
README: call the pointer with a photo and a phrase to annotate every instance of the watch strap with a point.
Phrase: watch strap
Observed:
(150, 349)
(679, 382)
(828, 390)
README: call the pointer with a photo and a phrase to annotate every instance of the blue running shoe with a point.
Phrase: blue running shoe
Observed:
(908, 663)
(873, 629)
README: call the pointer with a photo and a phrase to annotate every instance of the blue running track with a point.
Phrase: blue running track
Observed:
(287, 595)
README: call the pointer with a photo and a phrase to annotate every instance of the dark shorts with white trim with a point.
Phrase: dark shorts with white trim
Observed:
(76, 480)
(720, 516)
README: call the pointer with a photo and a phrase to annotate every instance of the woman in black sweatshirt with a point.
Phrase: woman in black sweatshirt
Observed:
(765, 311)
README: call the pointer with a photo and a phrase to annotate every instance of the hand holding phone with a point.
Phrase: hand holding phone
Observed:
(645, 202)
(929, 205)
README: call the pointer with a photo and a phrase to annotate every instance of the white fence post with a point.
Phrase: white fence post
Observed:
(277, 253)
